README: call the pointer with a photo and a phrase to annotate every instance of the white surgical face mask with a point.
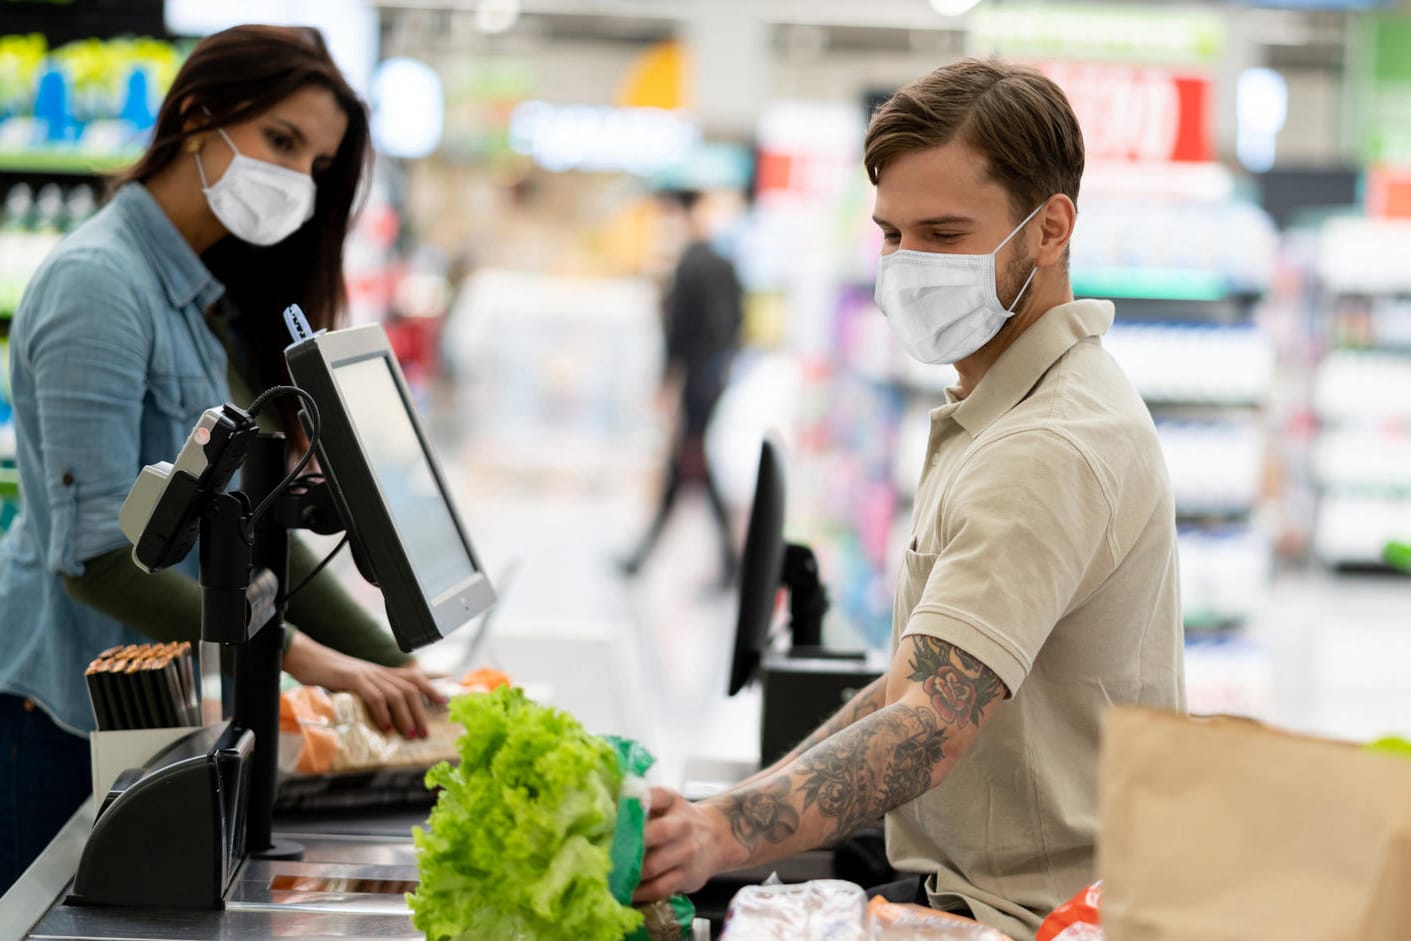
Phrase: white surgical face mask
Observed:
(259, 202)
(943, 307)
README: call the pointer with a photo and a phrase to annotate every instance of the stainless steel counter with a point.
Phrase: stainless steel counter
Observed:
(349, 884)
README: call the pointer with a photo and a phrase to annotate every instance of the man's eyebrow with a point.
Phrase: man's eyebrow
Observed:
(935, 220)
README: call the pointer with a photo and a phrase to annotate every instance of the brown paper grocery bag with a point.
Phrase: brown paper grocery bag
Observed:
(1222, 829)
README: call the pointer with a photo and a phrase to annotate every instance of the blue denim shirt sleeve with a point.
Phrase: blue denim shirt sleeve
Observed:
(88, 375)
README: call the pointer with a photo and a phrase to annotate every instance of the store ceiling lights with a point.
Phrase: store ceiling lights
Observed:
(953, 7)
(408, 108)
(496, 16)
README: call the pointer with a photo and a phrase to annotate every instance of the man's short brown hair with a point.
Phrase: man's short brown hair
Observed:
(1018, 120)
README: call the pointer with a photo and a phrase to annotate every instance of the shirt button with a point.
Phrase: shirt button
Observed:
(29, 705)
(68, 479)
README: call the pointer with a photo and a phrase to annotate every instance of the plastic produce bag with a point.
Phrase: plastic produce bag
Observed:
(668, 919)
(825, 909)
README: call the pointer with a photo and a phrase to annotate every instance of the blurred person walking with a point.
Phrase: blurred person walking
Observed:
(703, 313)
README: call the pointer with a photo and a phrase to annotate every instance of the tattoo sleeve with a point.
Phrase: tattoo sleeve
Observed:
(761, 813)
(869, 759)
(872, 767)
(870, 700)
(959, 686)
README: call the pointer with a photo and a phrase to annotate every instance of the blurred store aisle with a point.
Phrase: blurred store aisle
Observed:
(649, 657)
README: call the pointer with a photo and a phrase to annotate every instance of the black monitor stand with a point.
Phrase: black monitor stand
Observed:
(172, 834)
(805, 685)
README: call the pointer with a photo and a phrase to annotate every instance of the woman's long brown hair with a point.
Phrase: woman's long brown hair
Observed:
(234, 76)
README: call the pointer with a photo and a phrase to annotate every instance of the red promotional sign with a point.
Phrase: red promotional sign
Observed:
(1133, 113)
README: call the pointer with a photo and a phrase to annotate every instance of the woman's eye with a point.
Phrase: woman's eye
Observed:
(280, 142)
(891, 236)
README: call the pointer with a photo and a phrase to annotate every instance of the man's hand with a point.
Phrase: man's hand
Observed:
(938, 698)
(686, 844)
(394, 695)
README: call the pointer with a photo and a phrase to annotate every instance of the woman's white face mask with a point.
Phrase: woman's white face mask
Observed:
(943, 307)
(259, 202)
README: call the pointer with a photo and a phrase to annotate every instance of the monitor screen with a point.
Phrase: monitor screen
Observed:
(394, 501)
(419, 512)
(761, 568)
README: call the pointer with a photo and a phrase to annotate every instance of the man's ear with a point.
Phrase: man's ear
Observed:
(1056, 221)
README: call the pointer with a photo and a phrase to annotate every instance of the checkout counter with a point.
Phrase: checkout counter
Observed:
(349, 884)
(356, 866)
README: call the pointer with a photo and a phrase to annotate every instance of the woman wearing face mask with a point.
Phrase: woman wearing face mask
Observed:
(166, 302)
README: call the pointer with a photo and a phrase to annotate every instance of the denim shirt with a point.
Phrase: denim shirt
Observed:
(112, 363)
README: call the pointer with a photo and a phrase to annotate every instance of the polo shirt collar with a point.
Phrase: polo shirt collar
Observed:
(184, 277)
(1021, 366)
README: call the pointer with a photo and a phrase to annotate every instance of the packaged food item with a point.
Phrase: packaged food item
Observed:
(331, 733)
(825, 910)
(1076, 919)
(484, 680)
(896, 921)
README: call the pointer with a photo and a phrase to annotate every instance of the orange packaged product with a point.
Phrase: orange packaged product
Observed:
(1076, 919)
(483, 680)
(896, 921)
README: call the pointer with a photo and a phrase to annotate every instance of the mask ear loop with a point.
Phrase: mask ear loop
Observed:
(200, 168)
(1017, 229)
(1018, 296)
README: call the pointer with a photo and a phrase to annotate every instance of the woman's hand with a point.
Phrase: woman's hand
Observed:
(394, 695)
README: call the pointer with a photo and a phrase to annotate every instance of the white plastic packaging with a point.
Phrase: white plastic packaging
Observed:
(822, 910)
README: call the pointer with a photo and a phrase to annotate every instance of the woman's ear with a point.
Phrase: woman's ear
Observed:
(197, 116)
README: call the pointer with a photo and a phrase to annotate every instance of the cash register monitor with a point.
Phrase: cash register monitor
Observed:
(392, 496)
(761, 568)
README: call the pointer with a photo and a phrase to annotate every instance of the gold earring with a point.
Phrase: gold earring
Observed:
(193, 144)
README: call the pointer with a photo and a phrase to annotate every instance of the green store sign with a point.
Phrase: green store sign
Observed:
(1380, 68)
(1090, 32)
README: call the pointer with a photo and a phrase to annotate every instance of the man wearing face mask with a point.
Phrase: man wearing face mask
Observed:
(1040, 583)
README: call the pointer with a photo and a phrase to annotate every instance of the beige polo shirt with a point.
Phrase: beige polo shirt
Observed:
(1044, 543)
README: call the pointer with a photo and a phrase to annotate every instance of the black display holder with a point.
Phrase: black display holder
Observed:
(807, 683)
(173, 834)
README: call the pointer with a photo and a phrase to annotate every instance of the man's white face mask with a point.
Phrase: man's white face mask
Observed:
(943, 307)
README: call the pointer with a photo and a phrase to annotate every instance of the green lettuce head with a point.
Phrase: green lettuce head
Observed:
(518, 844)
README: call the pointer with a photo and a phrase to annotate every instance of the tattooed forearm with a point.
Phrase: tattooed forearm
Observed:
(871, 699)
(873, 767)
(761, 813)
(960, 687)
(870, 758)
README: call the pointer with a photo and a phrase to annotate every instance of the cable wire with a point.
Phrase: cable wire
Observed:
(289, 596)
(312, 408)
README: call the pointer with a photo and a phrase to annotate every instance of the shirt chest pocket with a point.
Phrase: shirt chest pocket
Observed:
(911, 583)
